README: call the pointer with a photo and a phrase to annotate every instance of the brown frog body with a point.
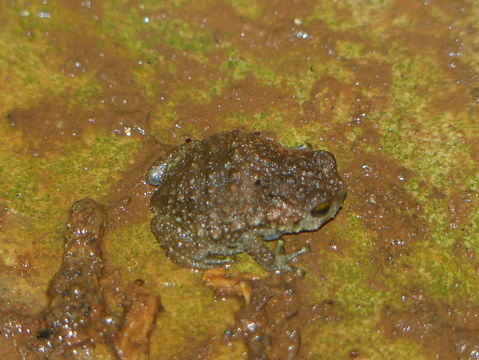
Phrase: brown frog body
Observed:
(233, 191)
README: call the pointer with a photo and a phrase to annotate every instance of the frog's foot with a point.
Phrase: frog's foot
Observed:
(282, 260)
(278, 251)
(230, 284)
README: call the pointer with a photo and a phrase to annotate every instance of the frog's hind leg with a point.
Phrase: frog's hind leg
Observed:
(180, 246)
(225, 250)
(187, 261)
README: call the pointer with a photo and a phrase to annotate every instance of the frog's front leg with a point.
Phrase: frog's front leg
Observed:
(271, 260)
(180, 246)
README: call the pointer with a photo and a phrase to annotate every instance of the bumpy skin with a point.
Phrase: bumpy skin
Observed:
(232, 191)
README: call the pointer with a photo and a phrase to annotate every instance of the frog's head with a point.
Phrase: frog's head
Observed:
(308, 193)
(324, 191)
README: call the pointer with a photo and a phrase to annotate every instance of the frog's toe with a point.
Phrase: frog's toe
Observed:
(278, 251)
(281, 263)
(282, 260)
(295, 254)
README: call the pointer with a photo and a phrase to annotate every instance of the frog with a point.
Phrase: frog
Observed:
(233, 192)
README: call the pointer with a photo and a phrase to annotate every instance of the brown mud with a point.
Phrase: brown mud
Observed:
(378, 198)
(445, 331)
(89, 312)
(129, 198)
(117, 104)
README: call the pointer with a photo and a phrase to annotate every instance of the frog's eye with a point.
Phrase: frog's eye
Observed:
(321, 209)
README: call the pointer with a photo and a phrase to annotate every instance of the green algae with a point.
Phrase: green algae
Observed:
(239, 66)
(345, 338)
(27, 48)
(353, 15)
(250, 9)
(39, 191)
(443, 276)
(35, 185)
(350, 50)
(436, 170)
(125, 22)
(346, 275)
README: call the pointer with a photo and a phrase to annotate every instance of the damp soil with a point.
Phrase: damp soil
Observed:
(390, 89)
(446, 331)
(90, 311)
